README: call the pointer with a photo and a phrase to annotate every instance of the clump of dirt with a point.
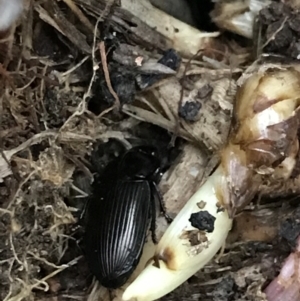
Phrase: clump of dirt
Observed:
(279, 29)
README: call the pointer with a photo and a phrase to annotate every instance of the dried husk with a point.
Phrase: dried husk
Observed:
(264, 136)
(238, 16)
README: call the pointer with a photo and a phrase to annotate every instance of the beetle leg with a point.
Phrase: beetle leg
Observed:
(153, 221)
(84, 210)
(111, 296)
(161, 203)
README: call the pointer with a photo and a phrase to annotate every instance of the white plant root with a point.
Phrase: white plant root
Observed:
(177, 259)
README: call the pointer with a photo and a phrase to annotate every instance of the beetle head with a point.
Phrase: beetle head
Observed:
(140, 162)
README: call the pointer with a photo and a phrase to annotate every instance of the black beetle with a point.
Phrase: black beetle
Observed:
(119, 213)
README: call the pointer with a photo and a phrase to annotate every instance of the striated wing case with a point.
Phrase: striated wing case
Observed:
(116, 230)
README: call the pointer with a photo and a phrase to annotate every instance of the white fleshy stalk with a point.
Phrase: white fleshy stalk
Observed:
(176, 257)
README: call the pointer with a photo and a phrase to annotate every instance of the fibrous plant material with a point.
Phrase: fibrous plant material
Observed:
(210, 125)
(181, 36)
(185, 177)
(263, 137)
